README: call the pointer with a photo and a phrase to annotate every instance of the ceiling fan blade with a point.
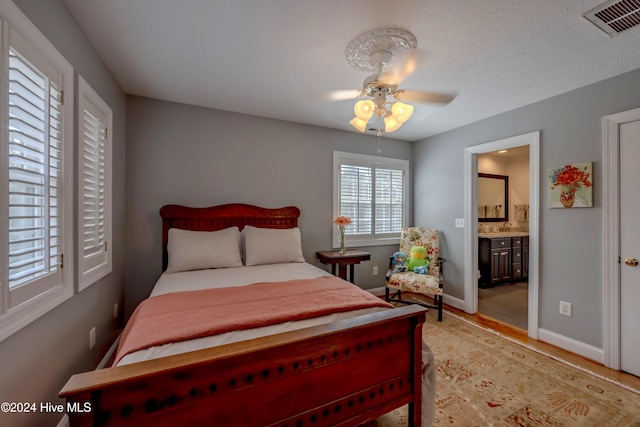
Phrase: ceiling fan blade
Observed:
(427, 63)
(342, 95)
(394, 75)
(419, 96)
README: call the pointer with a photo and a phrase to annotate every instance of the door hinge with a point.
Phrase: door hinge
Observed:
(62, 97)
(106, 133)
(105, 246)
(61, 260)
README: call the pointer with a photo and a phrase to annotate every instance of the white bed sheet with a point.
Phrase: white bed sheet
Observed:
(236, 276)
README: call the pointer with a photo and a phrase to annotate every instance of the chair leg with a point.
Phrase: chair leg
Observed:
(396, 297)
(439, 297)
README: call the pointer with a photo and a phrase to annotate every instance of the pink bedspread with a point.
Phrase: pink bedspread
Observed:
(187, 315)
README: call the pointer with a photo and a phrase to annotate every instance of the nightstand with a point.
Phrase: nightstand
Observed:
(350, 258)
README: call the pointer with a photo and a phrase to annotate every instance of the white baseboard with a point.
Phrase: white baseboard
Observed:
(110, 352)
(448, 299)
(453, 302)
(64, 422)
(569, 344)
(379, 292)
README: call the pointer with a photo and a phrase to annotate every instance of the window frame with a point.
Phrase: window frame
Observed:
(12, 319)
(89, 273)
(375, 162)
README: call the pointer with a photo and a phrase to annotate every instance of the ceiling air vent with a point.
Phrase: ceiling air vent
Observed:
(615, 16)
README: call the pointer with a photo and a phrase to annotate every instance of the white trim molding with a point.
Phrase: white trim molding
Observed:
(585, 350)
(531, 139)
(16, 313)
(611, 233)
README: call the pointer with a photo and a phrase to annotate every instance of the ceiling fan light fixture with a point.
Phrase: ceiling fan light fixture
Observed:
(359, 124)
(364, 109)
(388, 52)
(391, 123)
(401, 111)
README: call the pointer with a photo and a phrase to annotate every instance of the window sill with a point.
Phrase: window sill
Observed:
(370, 242)
(19, 317)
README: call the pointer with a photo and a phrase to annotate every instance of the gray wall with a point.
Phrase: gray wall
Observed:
(571, 239)
(196, 156)
(43, 355)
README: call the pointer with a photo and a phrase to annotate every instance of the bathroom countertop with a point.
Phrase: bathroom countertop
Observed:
(498, 234)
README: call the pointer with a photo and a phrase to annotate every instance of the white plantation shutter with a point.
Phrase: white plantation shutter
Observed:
(35, 171)
(389, 200)
(372, 191)
(36, 174)
(95, 189)
(356, 186)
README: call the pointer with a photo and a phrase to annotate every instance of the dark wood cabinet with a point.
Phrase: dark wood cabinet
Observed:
(500, 265)
(516, 266)
(502, 260)
(525, 257)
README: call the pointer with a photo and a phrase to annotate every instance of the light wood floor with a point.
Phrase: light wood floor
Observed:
(521, 335)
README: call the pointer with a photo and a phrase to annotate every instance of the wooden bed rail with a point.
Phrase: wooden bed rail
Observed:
(339, 374)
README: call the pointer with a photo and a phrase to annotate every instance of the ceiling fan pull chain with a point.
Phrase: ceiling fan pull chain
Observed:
(379, 135)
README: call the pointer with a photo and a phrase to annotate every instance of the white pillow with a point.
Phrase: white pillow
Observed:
(198, 250)
(272, 246)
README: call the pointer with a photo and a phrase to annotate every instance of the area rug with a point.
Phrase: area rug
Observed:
(484, 379)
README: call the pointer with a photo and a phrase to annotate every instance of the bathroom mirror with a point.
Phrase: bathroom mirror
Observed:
(493, 198)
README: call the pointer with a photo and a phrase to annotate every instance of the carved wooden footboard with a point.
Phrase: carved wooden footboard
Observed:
(338, 374)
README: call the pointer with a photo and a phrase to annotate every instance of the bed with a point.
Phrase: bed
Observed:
(334, 368)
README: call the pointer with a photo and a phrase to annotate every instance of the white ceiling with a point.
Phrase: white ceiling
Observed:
(282, 58)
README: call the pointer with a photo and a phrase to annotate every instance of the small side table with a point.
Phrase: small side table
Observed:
(351, 258)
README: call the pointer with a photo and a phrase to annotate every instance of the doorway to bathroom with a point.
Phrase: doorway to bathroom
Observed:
(501, 242)
(503, 235)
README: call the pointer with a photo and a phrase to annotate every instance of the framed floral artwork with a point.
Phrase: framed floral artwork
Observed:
(571, 186)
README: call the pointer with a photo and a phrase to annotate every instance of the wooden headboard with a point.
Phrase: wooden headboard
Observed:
(223, 216)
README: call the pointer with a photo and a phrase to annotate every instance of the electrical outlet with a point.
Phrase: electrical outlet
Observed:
(375, 270)
(92, 338)
(115, 310)
(459, 222)
(565, 308)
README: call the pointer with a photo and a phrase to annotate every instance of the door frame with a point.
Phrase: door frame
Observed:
(611, 233)
(531, 139)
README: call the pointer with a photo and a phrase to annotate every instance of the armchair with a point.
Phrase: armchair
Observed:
(430, 284)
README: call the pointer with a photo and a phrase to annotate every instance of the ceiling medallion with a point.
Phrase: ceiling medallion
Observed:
(392, 43)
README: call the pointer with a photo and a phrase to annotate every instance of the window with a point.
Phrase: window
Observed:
(35, 182)
(372, 191)
(94, 187)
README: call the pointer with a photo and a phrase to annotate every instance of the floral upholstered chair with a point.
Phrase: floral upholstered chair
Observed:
(426, 284)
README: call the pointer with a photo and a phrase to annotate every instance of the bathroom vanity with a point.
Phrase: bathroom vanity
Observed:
(503, 257)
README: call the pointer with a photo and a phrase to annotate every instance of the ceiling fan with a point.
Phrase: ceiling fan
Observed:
(389, 53)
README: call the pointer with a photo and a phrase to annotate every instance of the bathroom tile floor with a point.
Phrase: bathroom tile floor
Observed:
(507, 303)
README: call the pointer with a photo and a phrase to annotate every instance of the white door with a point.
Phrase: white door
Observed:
(630, 247)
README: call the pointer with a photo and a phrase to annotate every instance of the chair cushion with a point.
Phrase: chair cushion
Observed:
(418, 283)
(421, 236)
